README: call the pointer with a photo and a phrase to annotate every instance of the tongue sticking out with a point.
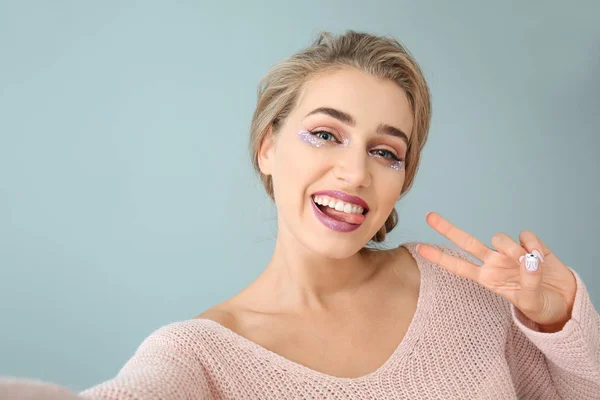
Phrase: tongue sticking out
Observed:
(342, 216)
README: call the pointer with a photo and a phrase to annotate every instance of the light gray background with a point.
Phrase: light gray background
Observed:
(127, 200)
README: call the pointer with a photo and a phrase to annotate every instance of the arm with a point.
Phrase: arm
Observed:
(563, 364)
(164, 366)
(552, 337)
(30, 389)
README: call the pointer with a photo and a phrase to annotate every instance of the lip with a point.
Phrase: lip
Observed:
(344, 197)
(331, 223)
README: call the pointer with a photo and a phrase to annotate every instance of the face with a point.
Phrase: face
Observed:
(337, 162)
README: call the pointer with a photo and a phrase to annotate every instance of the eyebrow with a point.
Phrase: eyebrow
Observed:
(349, 120)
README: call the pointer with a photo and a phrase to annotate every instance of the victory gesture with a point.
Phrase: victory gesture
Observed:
(527, 274)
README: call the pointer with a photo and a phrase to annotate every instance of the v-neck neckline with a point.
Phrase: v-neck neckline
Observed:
(398, 356)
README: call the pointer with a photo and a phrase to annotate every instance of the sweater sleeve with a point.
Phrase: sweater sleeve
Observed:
(32, 389)
(165, 366)
(559, 365)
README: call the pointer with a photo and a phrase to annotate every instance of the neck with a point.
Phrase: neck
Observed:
(303, 280)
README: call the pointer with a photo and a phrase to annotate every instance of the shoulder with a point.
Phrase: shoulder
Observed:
(411, 247)
(428, 267)
(221, 314)
(438, 270)
(186, 336)
(474, 298)
(447, 249)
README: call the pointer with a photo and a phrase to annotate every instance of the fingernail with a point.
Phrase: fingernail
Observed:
(538, 254)
(532, 264)
(521, 258)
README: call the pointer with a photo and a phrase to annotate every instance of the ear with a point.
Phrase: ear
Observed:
(266, 152)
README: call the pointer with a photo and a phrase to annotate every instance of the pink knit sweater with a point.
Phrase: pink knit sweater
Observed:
(464, 342)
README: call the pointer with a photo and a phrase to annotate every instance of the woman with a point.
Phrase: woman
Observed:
(336, 138)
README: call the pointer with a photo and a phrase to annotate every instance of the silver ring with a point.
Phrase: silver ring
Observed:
(532, 262)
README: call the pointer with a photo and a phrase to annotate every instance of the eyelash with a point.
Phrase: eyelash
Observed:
(392, 156)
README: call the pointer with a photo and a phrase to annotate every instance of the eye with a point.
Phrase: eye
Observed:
(324, 135)
(388, 155)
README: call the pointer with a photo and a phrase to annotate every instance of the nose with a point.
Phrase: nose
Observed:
(352, 167)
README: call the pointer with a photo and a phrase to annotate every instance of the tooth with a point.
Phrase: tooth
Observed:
(360, 210)
(331, 204)
(339, 206)
(318, 200)
(347, 208)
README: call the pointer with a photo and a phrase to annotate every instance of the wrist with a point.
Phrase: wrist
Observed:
(553, 328)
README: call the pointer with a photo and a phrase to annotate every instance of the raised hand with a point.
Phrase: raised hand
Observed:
(545, 295)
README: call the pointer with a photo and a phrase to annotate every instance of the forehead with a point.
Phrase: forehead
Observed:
(370, 100)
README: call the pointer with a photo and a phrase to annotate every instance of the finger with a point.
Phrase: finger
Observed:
(508, 246)
(530, 242)
(462, 239)
(531, 272)
(453, 264)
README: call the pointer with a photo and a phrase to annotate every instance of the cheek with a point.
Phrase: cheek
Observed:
(296, 159)
(390, 188)
(289, 163)
(291, 173)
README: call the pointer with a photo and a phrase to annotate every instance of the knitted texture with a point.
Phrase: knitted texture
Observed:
(464, 342)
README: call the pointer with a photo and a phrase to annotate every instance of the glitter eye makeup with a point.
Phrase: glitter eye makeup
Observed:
(398, 165)
(312, 139)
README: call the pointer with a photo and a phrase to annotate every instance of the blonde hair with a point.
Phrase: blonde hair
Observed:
(379, 56)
